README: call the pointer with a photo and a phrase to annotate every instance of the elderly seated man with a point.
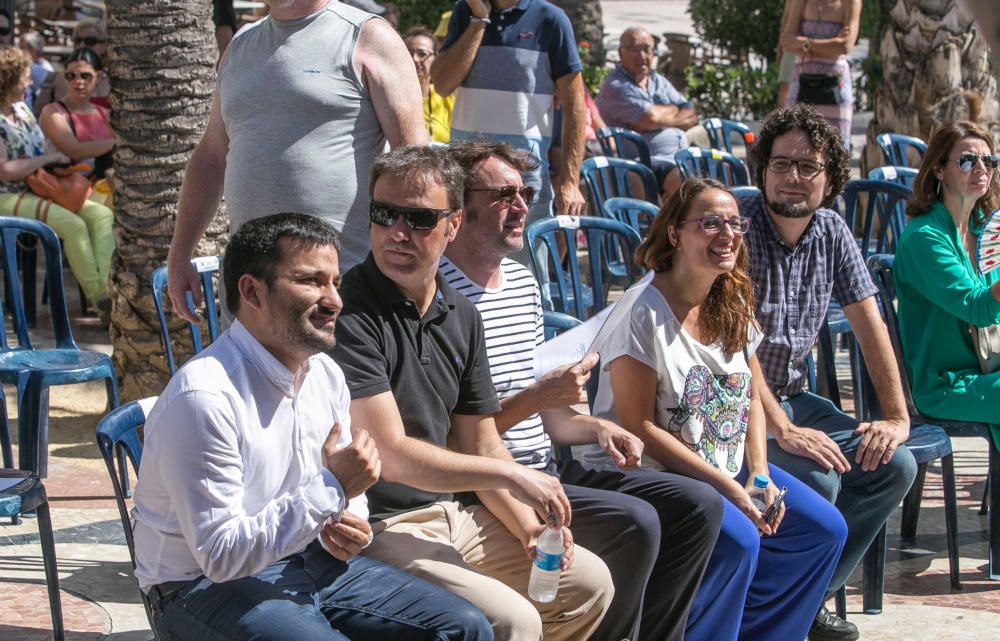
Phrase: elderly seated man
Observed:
(636, 97)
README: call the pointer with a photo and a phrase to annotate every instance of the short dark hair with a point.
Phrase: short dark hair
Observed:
(256, 248)
(85, 54)
(823, 137)
(412, 161)
(469, 153)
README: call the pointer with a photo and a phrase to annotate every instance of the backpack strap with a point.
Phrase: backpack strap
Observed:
(69, 116)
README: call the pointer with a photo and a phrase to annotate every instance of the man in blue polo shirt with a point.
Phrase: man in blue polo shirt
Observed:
(505, 60)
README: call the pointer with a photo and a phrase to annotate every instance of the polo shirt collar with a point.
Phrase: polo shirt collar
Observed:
(386, 290)
(522, 5)
(264, 361)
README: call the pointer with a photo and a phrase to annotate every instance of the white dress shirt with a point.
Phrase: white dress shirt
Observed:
(232, 477)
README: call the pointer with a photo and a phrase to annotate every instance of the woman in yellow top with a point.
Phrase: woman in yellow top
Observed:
(437, 109)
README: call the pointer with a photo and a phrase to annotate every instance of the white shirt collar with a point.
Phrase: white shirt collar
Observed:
(273, 370)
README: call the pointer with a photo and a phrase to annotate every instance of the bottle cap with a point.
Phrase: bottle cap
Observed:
(761, 481)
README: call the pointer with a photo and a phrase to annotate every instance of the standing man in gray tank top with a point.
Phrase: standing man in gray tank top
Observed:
(306, 98)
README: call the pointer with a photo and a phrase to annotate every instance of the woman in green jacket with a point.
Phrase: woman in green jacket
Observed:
(940, 290)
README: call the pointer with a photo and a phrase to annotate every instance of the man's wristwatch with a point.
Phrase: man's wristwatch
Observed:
(478, 19)
(807, 46)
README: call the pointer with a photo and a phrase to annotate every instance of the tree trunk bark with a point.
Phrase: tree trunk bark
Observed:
(588, 24)
(935, 68)
(162, 67)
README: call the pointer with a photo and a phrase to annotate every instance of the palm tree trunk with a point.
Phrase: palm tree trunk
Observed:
(935, 68)
(162, 58)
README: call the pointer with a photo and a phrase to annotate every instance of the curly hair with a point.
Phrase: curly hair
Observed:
(13, 62)
(927, 185)
(728, 309)
(823, 137)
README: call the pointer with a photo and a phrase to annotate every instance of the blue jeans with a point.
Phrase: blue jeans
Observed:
(866, 499)
(768, 588)
(313, 596)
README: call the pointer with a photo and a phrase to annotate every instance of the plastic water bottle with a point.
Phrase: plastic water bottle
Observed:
(757, 494)
(544, 581)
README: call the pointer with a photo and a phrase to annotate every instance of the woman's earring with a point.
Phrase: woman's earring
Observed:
(939, 188)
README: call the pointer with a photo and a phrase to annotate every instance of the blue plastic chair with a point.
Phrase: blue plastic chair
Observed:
(712, 163)
(743, 191)
(28, 495)
(619, 142)
(879, 207)
(556, 322)
(721, 133)
(33, 370)
(609, 237)
(895, 149)
(881, 267)
(637, 214)
(206, 266)
(118, 440)
(902, 175)
(609, 177)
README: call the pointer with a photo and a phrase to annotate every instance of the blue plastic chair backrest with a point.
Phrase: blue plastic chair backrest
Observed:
(712, 163)
(568, 295)
(880, 206)
(637, 214)
(556, 322)
(206, 266)
(118, 433)
(895, 149)
(619, 142)
(10, 229)
(610, 177)
(744, 191)
(721, 133)
(891, 173)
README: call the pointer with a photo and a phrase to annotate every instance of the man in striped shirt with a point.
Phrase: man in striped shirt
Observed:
(655, 531)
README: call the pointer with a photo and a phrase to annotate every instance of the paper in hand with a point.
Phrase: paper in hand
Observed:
(988, 245)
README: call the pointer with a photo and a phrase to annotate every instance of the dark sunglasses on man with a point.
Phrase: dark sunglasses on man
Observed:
(416, 218)
(506, 194)
(5, 31)
(87, 41)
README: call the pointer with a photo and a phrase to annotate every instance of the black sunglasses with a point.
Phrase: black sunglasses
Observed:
(86, 76)
(967, 161)
(417, 218)
(89, 41)
(5, 31)
(506, 194)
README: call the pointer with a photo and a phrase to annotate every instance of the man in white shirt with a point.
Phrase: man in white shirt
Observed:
(250, 508)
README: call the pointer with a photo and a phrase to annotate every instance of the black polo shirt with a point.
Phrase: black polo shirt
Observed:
(435, 366)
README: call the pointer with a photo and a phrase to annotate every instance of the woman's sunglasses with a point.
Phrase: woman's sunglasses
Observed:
(85, 76)
(967, 161)
(87, 41)
(712, 224)
(417, 218)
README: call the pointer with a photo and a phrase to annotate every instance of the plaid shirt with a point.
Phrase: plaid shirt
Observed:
(793, 285)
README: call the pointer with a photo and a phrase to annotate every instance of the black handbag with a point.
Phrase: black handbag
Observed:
(819, 89)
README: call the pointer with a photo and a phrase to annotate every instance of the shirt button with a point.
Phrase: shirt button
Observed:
(499, 27)
(792, 331)
(791, 295)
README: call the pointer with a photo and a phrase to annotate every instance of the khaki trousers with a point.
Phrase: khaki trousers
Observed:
(466, 550)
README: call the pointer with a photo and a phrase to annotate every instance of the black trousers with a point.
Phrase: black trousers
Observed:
(655, 531)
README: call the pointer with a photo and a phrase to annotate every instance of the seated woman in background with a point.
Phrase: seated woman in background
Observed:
(679, 371)
(86, 236)
(93, 34)
(437, 109)
(940, 289)
(77, 127)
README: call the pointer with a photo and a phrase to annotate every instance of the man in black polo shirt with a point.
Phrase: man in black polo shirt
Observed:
(414, 356)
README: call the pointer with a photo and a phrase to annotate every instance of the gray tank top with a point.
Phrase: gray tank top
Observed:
(302, 130)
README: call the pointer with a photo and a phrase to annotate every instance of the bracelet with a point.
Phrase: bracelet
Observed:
(478, 19)
(807, 46)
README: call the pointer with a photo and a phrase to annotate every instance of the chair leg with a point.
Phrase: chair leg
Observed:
(911, 506)
(840, 601)
(29, 450)
(951, 518)
(994, 516)
(874, 574)
(984, 506)
(51, 570)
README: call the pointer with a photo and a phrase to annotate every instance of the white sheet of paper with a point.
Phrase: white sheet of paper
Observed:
(572, 345)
